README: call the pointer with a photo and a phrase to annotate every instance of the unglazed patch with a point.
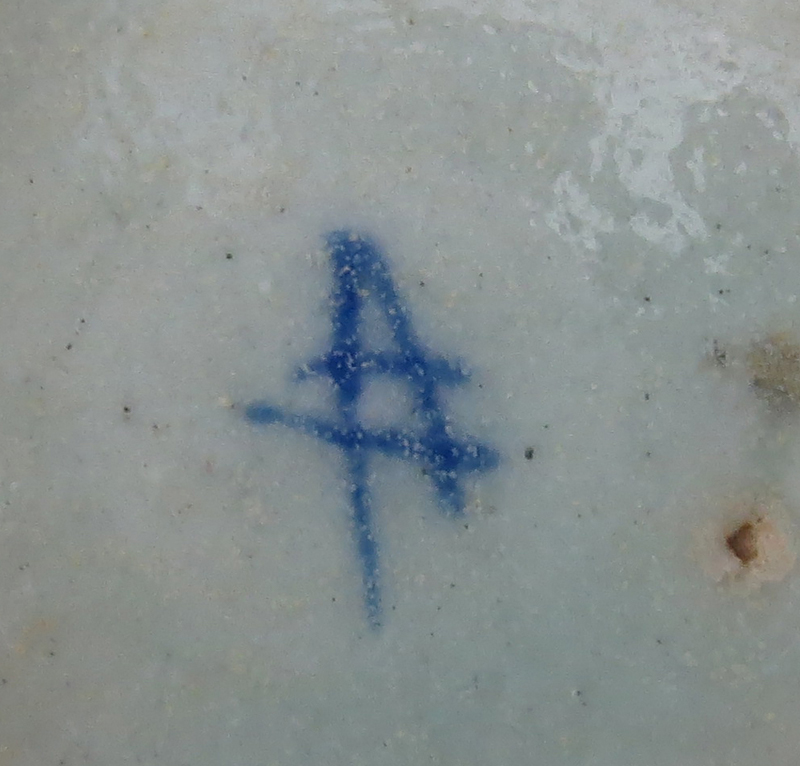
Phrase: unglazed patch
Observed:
(774, 367)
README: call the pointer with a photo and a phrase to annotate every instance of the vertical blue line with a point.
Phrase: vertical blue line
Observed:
(364, 535)
(346, 372)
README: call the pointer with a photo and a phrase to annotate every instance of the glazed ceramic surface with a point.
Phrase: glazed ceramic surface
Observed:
(399, 383)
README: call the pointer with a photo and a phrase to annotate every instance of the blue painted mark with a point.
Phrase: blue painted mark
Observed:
(360, 273)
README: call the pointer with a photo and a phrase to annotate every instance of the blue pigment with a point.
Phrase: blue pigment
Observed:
(360, 273)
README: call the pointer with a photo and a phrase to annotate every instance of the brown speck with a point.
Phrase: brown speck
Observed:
(747, 541)
(743, 542)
